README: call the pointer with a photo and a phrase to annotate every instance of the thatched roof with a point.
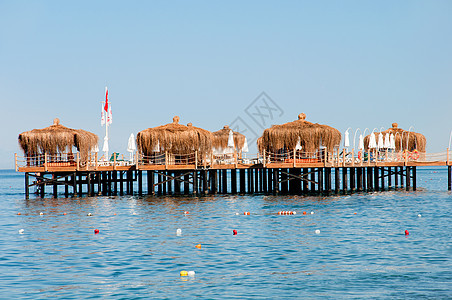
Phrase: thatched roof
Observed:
(220, 138)
(57, 139)
(415, 140)
(174, 138)
(310, 136)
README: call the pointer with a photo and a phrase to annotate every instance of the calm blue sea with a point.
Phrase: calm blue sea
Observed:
(360, 252)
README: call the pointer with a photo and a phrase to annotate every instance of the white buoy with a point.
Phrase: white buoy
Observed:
(294, 212)
(191, 273)
(41, 213)
(89, 214)
(312, 212)
(317, 231)
(236, 214)
(419, 215)
(179, 232)
(21, 231)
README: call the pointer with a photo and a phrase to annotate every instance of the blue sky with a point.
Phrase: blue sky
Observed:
(346, 64)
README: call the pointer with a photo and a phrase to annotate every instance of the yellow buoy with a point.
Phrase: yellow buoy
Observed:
(183, 273)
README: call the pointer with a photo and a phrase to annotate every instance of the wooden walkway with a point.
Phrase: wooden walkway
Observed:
(332, 176)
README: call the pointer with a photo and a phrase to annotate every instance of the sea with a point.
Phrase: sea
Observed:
(337, 247)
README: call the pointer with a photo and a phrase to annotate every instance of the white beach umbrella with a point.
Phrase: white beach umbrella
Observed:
(105, 147)
(361, 142)
(392, 141)
(157, 147)
(298, 146)
(95, 148)
(346, 140)
(231, 139)
(387, 143)
(245, 146)
(131, 146)
(372, 141)
(381, 143)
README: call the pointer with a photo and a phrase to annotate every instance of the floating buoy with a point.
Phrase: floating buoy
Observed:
(114, 214)
(312, 212)
(41, 213)
(317, 231)
(186, 212)
(354, 213)
(64, 214)
(178, 232)
(96, 231)
(419, 215)
(236, 214)
(304, 213)
(18, 213)
(183, 273)
(234, 232)
(407, 232)
(286, 212)
(89, 214)
(191, 273)
(247, 213)
(198, 246)
(21, 231)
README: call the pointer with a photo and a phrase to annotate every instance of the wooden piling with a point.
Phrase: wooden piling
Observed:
(27, 183)
(233, 181)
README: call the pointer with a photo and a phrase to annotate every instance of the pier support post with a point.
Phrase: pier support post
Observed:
(242, 181)
(225, 181)
(55, 185)
(336, 181)
(344, 180)
(408, 178)
(389, 178)
(396, 177)
(352, 179)
(150, 180)
(449, 177)
(264, 180)
(376, 177)
(115, 182)
(369, 179)
(27, 191)
(382, 181)
(233, 181)
(414, 178)
(88, 184)
(66, 186)
(284, 182)
(275, 181)
(140, 182)
(313, 171)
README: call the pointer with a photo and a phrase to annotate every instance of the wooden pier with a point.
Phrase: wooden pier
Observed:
(264, 175)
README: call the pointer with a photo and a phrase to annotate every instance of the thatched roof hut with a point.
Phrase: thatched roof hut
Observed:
(221, 137)
(415, 140)
(310, 136)
(175, 138)
(57, 139)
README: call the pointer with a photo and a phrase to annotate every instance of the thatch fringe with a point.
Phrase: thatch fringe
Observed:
(220, 139)
(175, 138)
(415, 140)
(311, 136)
(57, 139)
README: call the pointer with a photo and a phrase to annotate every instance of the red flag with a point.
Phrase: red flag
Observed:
(106, 99)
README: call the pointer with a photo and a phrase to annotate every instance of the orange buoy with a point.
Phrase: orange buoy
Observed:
(247, 213)
(186, 212)
(234, 232)
(198, 246)
(18, 213)
(407, 232)
(96, 231)
(304, 213)
(64, 214)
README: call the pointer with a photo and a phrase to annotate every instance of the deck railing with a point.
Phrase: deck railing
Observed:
(290, 158)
